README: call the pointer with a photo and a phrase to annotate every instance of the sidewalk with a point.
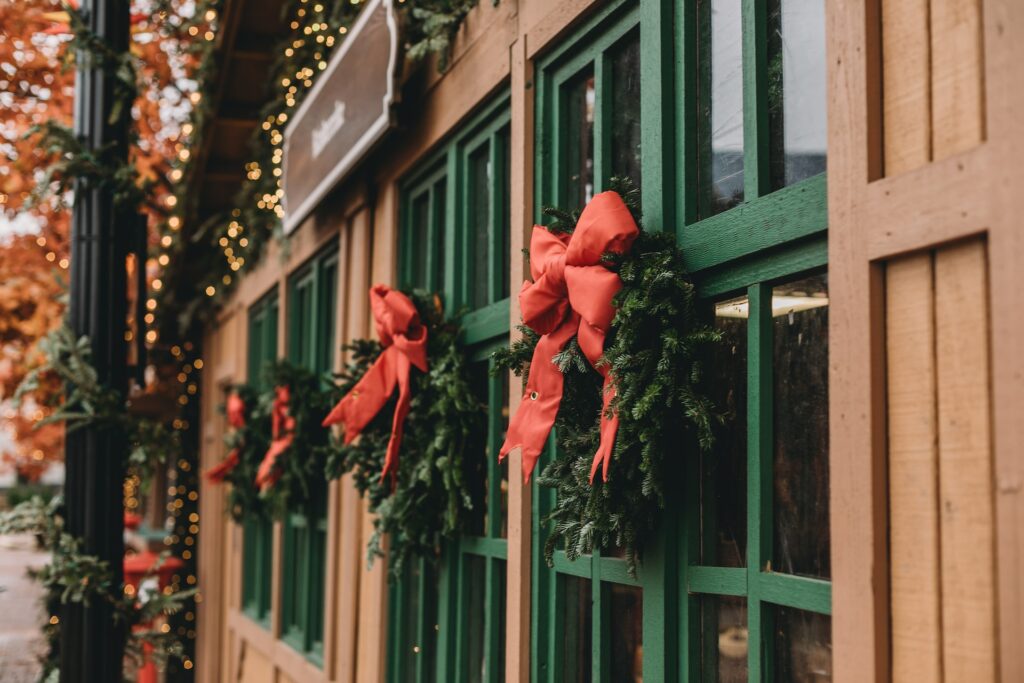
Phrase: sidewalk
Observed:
(21, 641)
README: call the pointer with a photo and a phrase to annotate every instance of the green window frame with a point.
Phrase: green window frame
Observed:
(312, 305)
(447, 621)
(258, 533)
(777, 234)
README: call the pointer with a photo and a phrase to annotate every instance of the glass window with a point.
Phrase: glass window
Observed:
(626, 637)
(796, 90)
(720, 106)
(625, 134)
(578, 630)
(800, 397)
(724, 632)
(580, 97)
(803, 646)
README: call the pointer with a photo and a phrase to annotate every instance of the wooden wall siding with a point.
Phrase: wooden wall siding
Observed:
(955, 212)
(940, 472)
(965, 463)
(932, 80)
(913, 470)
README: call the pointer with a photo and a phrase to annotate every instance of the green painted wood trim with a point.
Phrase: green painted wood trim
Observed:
(486, 323)
(755, 98)
(582, 568)
(789, 214)
(803, 256)
(484, 547)
(657, 134)
(717, 580)
(613, 570)
(813, 595)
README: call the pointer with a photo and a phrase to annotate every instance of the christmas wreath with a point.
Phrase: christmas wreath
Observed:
(247, 441)
(610, 355)
(416, 452)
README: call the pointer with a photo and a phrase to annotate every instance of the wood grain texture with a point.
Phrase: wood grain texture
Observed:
(957, 78)
(913, 471)
(906, 79)
(965, 463)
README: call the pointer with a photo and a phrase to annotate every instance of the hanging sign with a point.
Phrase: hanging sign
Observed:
(345, 115)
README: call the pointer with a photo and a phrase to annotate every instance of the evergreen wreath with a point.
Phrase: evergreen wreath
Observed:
(250, 440)
(654, 350)
(301, 467)
(442, 450)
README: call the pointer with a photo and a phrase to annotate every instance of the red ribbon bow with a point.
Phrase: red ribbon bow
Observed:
(282, 433)
(571, 295)
(404, 339)
(236, 418)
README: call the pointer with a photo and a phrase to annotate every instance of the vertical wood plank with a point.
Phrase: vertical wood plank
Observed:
(965, 463)
(906, 83)
(957, 79)
(913, 471)
(518, 568)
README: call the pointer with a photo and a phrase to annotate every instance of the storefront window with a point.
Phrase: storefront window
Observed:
(467, 250)
(258, 532)
(312, 298)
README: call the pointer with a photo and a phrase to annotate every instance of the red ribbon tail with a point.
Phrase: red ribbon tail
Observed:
(359, 406)
(219, 472)
(267, 475)
(531, 425)
(403, 367)
(609, 428)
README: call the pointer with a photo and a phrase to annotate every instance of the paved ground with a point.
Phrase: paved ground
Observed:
(20, 612)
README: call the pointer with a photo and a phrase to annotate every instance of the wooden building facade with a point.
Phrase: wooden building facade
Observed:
(843, 178)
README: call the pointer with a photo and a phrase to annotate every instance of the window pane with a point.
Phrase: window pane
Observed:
(720, 106)
(476, 608)
(477, 463)
(480, 223)
(724, 632)
(803, 646)
(576, 635)
(626, 636)
(800, 462)
(499, 567)
(411, 648)
(579, 130)
(437, 248)
(796, 90)
(419, 239)
(504, 287)
(723, 478)
(625, 137)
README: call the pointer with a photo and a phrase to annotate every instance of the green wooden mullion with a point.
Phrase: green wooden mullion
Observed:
(602, 134)
(397, 628)
(493, 598)
(581, 568)
(759, 453)
(419, 658)
(657, 102)
(660, 600)
(486, 323)
(614, 570)
(449, 643)
(717, 580)
(484, 546)
(812, 595)
(804, 256)
(453, 242)
(685, 77)
(599, 617)
(555, 616)
(755, 99)
(494, 419)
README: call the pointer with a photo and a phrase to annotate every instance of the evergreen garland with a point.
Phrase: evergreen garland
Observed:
(301, 467)
(251, 441)
(442, 450)
(654, 350)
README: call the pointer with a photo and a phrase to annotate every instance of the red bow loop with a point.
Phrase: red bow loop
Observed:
(571, 295)
(282, 433)
(404, 338)
(235, 411)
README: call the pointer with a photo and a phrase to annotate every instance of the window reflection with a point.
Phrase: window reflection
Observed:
(420, 239)
(803, 646)
(720, 106)
(626, 109)
(724, 632)
(580, 144)
(576, 637)
(723, 494)
(480, 224)
(796, 90)
(474, 610)
(626, 637)
(800, 462)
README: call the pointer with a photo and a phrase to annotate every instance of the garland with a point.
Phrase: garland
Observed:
(652, 352)
(432, 498)
(298, 471)
(72, 576)
(247, 443)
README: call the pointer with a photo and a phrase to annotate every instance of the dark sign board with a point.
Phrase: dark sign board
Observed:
(346, 113)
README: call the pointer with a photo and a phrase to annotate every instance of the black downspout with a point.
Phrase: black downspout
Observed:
(92, 642)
